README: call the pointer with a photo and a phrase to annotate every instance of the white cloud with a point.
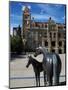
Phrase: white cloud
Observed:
(42, 11)
(20, 4)
(45, 7)
(40, 16)
(58, 5)
(29, 6)
(49, 9)
(43, 17)
(23, 7)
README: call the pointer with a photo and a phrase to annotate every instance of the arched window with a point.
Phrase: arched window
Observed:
(53, 50)
(46, 43)
(60, 51)
(60, 43)
(53, 43)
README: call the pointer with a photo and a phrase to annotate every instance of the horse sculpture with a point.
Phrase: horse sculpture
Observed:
(37, 67)
(51, 65)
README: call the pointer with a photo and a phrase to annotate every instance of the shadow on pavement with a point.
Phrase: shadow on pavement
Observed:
(62, 83)
(13, 56)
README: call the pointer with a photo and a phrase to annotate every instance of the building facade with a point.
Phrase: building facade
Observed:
(49, 34)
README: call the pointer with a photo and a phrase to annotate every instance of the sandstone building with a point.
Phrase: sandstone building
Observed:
(50, 34)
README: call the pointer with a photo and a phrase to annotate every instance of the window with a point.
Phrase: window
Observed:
(60, 28)
(53, 50)
(60, 51)
(27, 17)
(59, 35)
(45, 25)
(50, 34)
(46, 43)
(53, 43)
(53, 27)
(54, 35)
(45, 34)
(60, 43)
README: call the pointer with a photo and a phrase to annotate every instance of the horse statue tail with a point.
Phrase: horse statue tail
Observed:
(56, 68)
(59, 63)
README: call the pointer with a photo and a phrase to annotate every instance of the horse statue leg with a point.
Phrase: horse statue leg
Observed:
(36, 76)
(49, 80)
(44, 73)
(39, 79)
(56, 76)
(56, 71)
(44, 78)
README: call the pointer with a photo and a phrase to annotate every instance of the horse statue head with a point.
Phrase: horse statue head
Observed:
(29, 61)
(40, 50)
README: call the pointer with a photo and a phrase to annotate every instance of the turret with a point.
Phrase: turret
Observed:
(26, 20)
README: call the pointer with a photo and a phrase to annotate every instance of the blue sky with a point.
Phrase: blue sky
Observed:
(40, 12)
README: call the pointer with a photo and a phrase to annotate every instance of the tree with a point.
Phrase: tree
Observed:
(16, 44)
(19, 31)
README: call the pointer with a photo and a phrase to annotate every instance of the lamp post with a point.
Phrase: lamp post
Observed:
(24, 43)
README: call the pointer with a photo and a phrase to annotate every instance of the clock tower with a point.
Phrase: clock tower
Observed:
(26, 21)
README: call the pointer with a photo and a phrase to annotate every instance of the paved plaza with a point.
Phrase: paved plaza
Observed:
(20, 76)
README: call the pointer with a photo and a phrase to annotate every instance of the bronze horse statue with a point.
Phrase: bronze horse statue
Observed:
(37, 67)
(51, 65)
